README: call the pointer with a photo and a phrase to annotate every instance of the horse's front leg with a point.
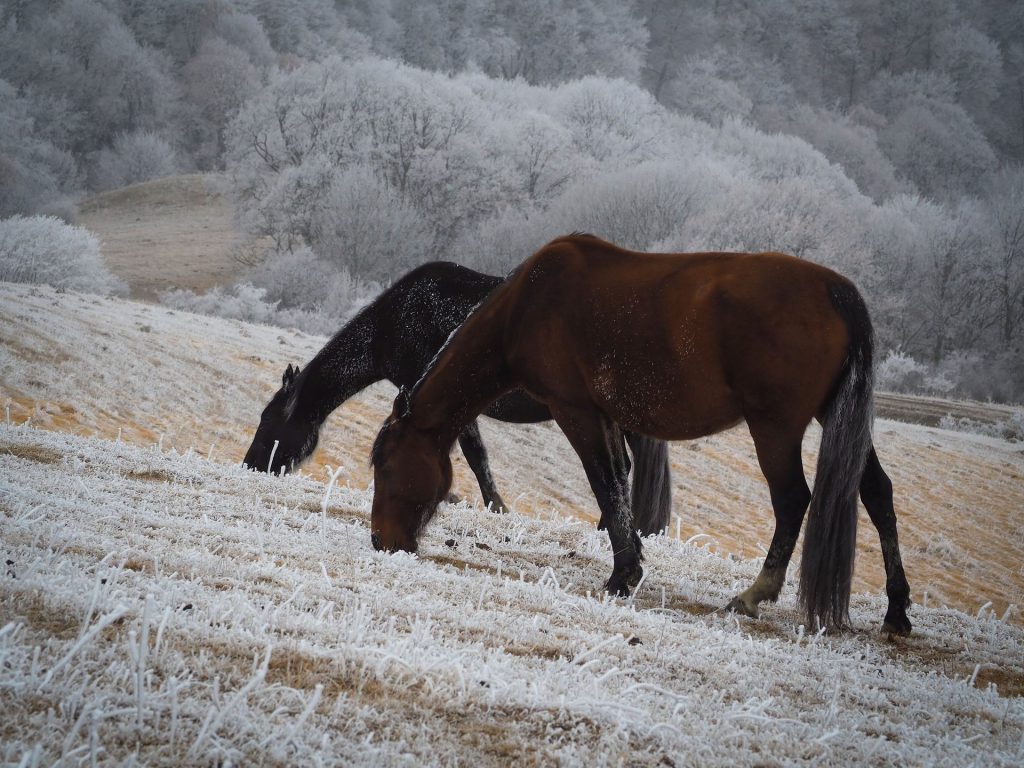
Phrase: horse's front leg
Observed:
(476, 455)
(598, 442)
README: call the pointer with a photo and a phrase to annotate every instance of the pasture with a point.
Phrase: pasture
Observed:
(162, 605)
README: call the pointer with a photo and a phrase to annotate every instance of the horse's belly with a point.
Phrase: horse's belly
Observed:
(669, 409)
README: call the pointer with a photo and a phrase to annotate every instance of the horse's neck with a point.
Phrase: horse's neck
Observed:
(341, 369)
(468, 374)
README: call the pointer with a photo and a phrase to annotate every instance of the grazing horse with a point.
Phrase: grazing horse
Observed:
(394, 338)
(675, 346)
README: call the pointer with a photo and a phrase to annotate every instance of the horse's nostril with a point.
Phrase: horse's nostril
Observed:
(375, 540)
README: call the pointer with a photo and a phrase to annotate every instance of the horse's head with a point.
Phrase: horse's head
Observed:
(411, 474)
(285, 424)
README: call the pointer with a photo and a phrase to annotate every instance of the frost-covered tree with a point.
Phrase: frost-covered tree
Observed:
(612, 125)
(177, 27)
(244, 31)
(950, 303)
(35, 175)
(699, 89)
(636, 208)
(842, 140)
(310, 29)
(938, 147)
(973, 63)
(217, 81)
(540, 41)
(539, 151)
(426, 138)
(365, 226)
(83, 56)
(1005, 210)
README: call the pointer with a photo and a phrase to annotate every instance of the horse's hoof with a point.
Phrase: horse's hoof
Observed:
(497, 506)
(616, 588)
(622, 582)
(896, 626)
(738, 606)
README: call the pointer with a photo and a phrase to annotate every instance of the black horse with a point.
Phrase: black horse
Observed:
(395, 338)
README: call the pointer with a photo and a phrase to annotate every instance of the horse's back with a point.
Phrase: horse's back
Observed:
(702, 340)
(415, 316)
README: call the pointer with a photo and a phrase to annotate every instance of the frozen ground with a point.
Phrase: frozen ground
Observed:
(172, 610)
(163, 607)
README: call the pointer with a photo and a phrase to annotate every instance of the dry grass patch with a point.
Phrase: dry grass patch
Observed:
(150, 475)
(36, 453)
(40, 615)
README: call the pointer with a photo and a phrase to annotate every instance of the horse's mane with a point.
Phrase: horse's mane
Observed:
(456, 329)
(375, 451)
(574, 234)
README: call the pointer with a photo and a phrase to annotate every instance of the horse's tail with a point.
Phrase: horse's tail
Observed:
(652, 487)
(830, 542)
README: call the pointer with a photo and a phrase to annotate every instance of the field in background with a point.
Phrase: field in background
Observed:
(175, 232)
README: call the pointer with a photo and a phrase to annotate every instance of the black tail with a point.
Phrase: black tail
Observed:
(652, 487)
(830, 542)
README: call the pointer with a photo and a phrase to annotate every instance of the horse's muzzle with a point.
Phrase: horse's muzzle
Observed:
(396, 545)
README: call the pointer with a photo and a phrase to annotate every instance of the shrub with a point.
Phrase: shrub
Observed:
(248, 303)
(901, 373)
(338, 298)
(300, 279)
(43, 249)
(134, 157)
(1010, 429)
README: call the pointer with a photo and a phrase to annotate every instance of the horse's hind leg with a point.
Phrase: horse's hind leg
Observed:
(476, 455)
(876, 493)
(778, 454)
(599, 443)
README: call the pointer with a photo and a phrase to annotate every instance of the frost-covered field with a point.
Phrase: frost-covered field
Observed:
(151, 376)
(160, 605)
(172, 610)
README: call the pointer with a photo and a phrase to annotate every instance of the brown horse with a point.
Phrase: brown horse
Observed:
(675, 346)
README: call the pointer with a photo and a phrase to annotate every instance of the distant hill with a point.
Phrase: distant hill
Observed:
(174, 232)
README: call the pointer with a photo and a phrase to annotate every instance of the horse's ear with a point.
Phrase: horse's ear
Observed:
(403, 406)
(289, 376)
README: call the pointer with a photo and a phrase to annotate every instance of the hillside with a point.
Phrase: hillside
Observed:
(275, 634)
(174, 232)
(107, 367)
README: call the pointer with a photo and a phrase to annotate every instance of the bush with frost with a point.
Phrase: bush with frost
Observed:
(44, 249)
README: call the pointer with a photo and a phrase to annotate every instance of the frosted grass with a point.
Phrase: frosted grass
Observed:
(163, 609)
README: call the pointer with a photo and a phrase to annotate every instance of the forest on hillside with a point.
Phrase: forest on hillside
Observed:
(884, 139)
